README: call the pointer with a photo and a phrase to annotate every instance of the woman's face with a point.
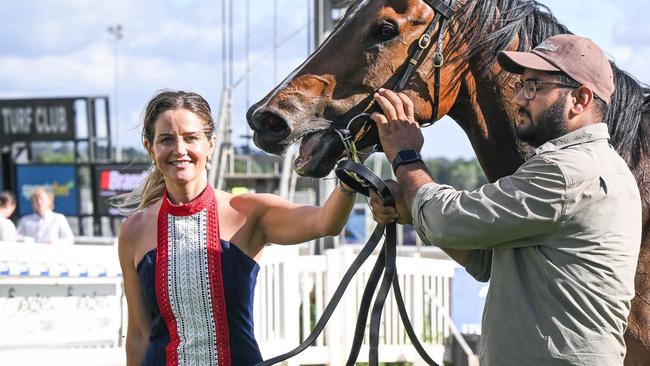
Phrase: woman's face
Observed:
(180, 147)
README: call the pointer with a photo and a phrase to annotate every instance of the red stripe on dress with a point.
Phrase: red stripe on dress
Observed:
(216, 284)
(162, 283)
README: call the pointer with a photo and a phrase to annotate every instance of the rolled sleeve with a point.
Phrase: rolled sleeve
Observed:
(422, 197)
(497, 215)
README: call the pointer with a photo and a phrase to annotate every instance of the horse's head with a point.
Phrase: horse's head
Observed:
(370, 48)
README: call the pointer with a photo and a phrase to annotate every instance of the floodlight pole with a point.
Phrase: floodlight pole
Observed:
(115, 32)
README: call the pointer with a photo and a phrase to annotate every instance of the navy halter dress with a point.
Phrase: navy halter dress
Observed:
(198, 290)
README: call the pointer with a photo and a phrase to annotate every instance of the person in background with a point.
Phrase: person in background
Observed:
(7, 207)
(189, 251)
(45, 225)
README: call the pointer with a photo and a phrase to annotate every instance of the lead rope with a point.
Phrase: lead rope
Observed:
(355, 175)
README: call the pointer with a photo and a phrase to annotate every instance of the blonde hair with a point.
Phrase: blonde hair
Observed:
(38, 190)
(154, 185)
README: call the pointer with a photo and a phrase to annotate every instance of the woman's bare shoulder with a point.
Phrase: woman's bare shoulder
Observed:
(139, 223)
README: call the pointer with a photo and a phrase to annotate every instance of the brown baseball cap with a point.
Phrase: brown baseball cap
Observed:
(578, 57)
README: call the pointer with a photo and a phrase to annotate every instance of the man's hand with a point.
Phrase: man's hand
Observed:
(398, 129)
(387, 214)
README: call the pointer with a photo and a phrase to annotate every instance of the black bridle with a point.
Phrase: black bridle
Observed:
(444, 13)
(362, 180)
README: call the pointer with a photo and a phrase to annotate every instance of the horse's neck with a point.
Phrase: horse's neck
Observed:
(482, 111)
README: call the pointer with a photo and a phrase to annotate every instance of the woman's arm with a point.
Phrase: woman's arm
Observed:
(283, 222)
(137, 336)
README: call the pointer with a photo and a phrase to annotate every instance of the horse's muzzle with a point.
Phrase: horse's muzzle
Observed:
(269, 129)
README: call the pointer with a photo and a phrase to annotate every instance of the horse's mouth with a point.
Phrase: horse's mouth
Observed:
(319, 151)
(321, 148)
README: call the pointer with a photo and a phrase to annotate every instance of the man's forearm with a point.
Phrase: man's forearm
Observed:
(410, 178)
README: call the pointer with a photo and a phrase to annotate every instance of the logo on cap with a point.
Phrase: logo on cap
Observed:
(547, 46)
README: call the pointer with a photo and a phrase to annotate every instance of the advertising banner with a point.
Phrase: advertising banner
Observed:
(60, 179)
(36, 120)
(115, 179)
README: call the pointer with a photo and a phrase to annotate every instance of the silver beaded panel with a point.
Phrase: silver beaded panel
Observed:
(189, 289)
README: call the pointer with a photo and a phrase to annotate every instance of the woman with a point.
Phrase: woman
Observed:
(7, 207)
(188, 252)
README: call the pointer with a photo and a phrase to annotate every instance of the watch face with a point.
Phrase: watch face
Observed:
(405, 157)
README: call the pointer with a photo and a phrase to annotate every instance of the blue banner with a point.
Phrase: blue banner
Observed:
(58, 179)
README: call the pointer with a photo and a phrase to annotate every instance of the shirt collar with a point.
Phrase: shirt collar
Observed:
(45, 215)
(589, 133)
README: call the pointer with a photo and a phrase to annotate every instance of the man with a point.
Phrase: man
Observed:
(44, 225)
(558, 239)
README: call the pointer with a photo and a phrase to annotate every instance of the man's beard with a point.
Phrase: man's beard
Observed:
(546, 127)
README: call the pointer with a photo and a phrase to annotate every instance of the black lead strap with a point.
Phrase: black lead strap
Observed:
(361, 179)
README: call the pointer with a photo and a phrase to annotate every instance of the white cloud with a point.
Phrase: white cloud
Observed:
(634, 60)
(79, 73)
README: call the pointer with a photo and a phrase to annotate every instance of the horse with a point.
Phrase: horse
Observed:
(371, 46)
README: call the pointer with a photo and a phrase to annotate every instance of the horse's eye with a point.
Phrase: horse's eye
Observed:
(387, 31)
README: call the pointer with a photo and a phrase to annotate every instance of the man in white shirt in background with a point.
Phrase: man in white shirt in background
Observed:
(45, 225)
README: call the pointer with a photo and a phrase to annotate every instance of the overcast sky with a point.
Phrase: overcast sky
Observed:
(62, 48)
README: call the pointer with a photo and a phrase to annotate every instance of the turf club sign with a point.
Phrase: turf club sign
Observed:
(36, 120)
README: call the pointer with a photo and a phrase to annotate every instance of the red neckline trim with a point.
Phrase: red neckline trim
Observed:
(190, 208)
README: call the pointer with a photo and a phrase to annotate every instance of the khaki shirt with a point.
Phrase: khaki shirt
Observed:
(558, 240)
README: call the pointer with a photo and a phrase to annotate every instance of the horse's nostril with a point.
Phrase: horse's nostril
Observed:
(271, 124)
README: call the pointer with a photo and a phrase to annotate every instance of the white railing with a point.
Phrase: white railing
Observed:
(60, 305)
(67, 300)
(284, 315)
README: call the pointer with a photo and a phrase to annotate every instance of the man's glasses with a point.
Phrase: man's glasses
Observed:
(530, 86)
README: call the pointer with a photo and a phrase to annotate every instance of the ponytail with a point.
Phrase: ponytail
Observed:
(143, 196)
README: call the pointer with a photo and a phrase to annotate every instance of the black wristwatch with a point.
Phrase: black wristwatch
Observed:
(405, 157)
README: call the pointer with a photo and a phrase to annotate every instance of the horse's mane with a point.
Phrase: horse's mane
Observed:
(490, 26)
(628, 118)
